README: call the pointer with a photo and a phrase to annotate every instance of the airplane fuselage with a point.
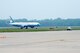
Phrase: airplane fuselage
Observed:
(25, 24)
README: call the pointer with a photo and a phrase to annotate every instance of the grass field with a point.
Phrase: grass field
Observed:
(59, 28)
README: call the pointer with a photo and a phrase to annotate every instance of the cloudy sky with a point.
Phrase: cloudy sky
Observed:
(40, 9)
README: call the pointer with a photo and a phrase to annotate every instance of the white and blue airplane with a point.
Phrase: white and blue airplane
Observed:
(24, 24)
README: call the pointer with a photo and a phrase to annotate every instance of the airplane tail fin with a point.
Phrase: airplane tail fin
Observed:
(11, 20)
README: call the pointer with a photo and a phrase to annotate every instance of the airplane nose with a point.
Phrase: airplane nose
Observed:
(38, 24)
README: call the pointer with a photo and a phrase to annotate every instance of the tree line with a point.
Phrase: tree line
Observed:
(45, 22)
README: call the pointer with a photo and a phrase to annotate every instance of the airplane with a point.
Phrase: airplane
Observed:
(24, 24)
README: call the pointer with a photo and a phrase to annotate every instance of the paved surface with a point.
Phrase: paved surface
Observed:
(40, 42)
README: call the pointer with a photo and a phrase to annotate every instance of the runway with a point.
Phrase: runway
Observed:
(40, 42)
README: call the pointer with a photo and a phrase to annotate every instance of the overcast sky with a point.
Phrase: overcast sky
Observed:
(40, 9)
